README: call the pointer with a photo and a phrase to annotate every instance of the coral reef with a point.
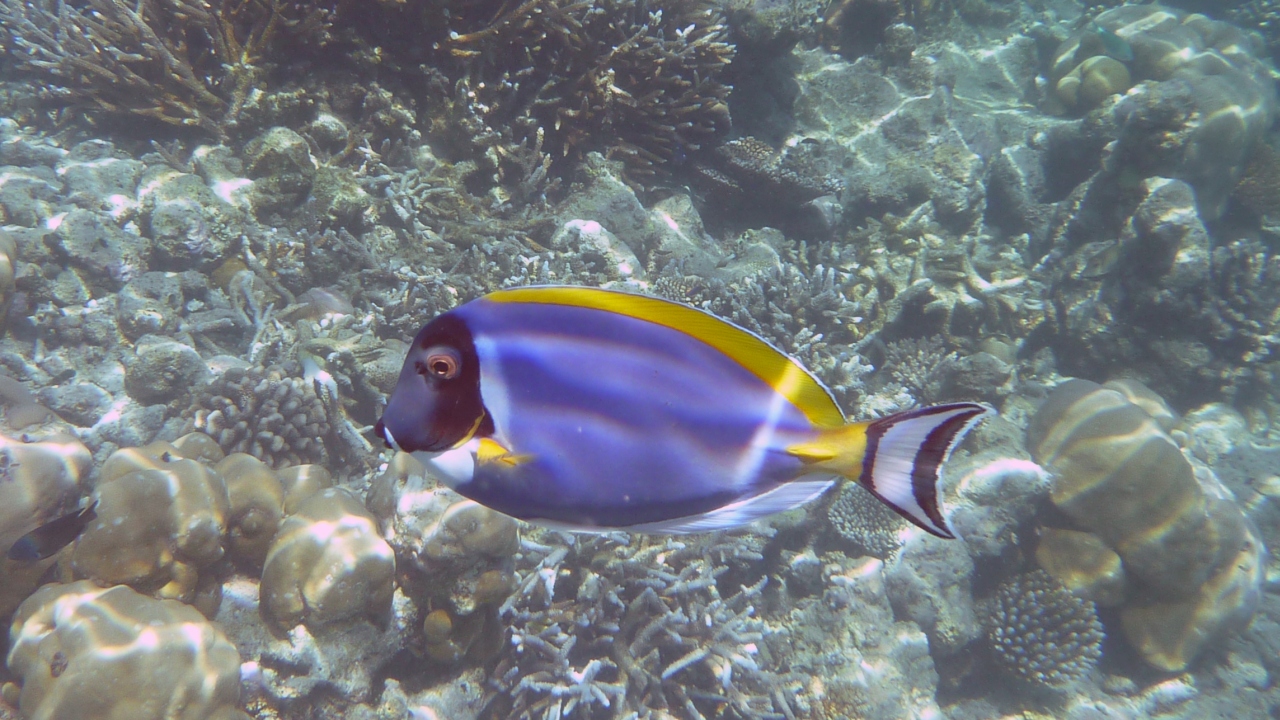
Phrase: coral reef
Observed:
(1193, 562)
(1043, 634)
(921, 200)
(82, 651)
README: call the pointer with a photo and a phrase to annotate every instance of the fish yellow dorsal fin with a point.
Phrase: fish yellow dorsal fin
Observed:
(491, 451)
(752, 352)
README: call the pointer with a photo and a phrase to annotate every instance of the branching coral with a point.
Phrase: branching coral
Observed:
(1042, 633)
(640, 629)
(921, 366)
(182, 62)
(641, 80)
(269, 413)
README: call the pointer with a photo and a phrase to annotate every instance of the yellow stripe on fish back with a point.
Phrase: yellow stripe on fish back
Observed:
(761, 359)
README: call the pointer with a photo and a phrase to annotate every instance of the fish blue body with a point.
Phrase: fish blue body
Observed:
(591, 409)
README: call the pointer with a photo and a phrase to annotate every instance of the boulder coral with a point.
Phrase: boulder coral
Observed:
(1192, 561)
(1201, 99)
(456, 556)
(161, 519)
(327, 563)
(82, 652)
(39, 480)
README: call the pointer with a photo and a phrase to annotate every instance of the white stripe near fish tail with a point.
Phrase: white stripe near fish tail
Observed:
(903, 460)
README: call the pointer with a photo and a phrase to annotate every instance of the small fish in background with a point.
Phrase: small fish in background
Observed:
(1112, 44)
(1104, 260)
(594, 410)
(46, 540)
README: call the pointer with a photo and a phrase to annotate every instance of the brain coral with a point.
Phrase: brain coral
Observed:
(1042, 633)
(82, 652)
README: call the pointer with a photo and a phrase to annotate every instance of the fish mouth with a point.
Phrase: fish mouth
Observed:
(381, 430)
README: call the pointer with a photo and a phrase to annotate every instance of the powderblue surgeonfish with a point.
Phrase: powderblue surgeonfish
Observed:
(589, 409)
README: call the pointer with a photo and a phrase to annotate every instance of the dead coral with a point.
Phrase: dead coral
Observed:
(182, 62)
(641, 629)
(748, 176)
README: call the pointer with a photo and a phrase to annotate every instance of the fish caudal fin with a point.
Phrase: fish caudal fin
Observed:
(899, 458)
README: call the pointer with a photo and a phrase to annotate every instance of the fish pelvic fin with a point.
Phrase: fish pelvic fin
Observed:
(898, 458)
(491, 452)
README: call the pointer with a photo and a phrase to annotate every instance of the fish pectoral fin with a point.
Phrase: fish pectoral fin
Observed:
(491, 451)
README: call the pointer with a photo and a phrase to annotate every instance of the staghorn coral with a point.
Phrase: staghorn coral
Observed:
(1043, 634)
(603, 629)
(556, 79)
(183, 63)
(84, 652)
(858, 517)
(270, 413)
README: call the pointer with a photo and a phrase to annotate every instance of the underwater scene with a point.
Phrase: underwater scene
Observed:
(639, 359)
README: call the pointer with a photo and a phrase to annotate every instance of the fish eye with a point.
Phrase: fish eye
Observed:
(442, 363)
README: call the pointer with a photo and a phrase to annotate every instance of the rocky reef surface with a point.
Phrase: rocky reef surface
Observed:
(222, 222)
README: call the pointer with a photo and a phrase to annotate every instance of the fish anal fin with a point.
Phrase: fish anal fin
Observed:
(491, 451)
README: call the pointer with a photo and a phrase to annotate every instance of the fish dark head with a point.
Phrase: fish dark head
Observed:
(436, 403)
